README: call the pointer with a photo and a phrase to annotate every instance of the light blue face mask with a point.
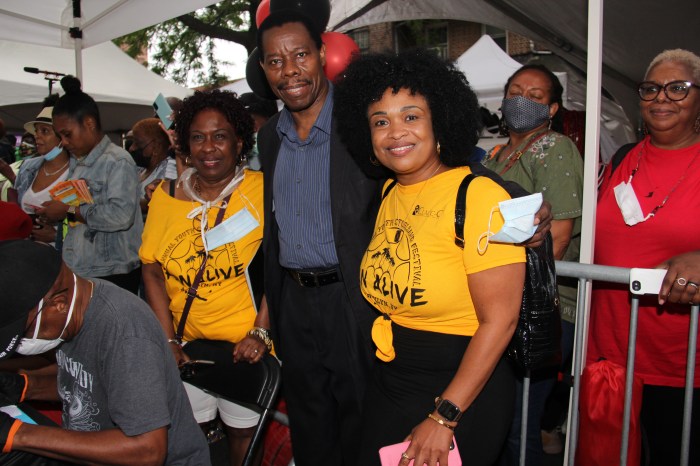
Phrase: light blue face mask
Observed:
(518, 221)
(232, 229)
(53, 153)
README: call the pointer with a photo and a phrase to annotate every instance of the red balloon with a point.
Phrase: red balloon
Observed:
(340, 49)
(262, 12)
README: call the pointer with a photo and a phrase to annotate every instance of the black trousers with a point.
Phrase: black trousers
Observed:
(662, 426)
(401, 393)
(325, 365)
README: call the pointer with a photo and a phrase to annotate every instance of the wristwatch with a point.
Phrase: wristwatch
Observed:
(263, 335)
(70, 215)
(447, 409)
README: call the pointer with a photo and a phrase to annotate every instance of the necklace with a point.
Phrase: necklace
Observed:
(48, 173)
(663, 202)
(415, 199)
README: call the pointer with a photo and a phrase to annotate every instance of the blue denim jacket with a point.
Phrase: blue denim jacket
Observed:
(108, 243)
(26, 174)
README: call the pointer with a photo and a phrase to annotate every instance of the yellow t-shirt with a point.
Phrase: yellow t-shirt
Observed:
(175, 242)
(414, 273)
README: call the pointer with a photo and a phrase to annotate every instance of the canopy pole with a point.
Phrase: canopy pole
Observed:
(594, 82)
(77, 34)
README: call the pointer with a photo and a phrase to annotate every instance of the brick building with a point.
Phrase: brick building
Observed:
(448, 38)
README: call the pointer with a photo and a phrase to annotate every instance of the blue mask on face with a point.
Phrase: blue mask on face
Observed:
(53, 153)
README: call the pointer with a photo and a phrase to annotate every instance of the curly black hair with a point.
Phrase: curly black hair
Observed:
(556, 92)
(453, 105)
(225, 102)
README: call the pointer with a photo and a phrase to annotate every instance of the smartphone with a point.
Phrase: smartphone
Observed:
(163, 110)
(646, 281)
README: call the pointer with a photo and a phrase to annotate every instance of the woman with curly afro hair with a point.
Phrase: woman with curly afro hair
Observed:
(445, 314)
(210, 223)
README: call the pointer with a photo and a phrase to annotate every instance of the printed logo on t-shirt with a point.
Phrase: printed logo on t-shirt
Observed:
(184, 254)
(75, 389)
(391, 274)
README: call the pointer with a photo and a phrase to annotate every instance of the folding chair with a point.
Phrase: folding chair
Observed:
(256, 385)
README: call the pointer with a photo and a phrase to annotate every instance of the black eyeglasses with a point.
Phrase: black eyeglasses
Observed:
(675, 90)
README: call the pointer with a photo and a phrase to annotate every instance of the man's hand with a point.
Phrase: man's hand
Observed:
(13, 387)
(8, 428)
(543, 220)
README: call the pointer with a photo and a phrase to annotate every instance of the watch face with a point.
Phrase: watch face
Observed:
(449, 410)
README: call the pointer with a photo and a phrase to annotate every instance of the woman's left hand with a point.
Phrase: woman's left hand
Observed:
(249, 349)
(54, 211)
(430, 444)
(682, 280)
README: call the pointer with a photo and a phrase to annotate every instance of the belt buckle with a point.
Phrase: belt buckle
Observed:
(311, 280)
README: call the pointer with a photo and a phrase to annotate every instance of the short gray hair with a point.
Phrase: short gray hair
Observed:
(685, 57)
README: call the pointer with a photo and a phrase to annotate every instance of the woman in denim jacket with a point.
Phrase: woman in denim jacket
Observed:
(103, 237)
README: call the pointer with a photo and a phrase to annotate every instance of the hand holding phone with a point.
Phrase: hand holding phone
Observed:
(163, 110)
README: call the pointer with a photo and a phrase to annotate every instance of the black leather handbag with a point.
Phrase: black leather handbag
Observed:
(536, 343)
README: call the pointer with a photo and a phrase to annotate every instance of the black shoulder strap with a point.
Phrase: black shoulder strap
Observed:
(620, 155)
(388, 188)
(172, 188)
(461, 209)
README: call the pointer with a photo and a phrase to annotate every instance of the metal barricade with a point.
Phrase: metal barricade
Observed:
(585, 273)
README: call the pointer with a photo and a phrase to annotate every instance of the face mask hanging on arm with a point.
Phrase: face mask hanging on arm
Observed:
(519, 221)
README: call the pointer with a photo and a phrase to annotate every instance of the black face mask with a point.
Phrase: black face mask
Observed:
(140, 159)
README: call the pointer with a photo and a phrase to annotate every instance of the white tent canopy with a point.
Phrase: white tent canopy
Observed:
(123, 88)
(48, 22)
(487, 68)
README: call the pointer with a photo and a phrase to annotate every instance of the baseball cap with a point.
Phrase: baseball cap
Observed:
(27, 270)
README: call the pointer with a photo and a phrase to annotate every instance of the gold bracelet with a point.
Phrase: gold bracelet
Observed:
(263, 335)
(440, 421)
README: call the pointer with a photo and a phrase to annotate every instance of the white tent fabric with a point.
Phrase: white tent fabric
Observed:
(124, 89)
(48, 22)
(488, 67)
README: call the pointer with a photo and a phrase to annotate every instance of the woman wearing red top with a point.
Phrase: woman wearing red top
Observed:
(663, 171)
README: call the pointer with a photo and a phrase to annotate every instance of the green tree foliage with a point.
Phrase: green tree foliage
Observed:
(183, 47)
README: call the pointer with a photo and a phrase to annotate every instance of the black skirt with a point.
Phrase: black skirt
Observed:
(401, 393)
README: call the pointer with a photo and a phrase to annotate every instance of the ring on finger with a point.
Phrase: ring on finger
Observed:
(693, 284)
(404, 456)
(681, 281)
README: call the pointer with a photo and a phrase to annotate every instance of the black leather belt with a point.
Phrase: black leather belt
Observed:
(316, 279)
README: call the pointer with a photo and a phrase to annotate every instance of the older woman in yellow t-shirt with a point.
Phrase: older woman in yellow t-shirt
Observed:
(446, 313)
(185, 229)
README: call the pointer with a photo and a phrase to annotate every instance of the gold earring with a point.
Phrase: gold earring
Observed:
(187, 160)
(696, 126)
(373, 160)
(437, 148)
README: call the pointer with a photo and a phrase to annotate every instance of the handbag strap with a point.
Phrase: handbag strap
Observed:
(192, 291)
(515, 156)
(461, 209)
